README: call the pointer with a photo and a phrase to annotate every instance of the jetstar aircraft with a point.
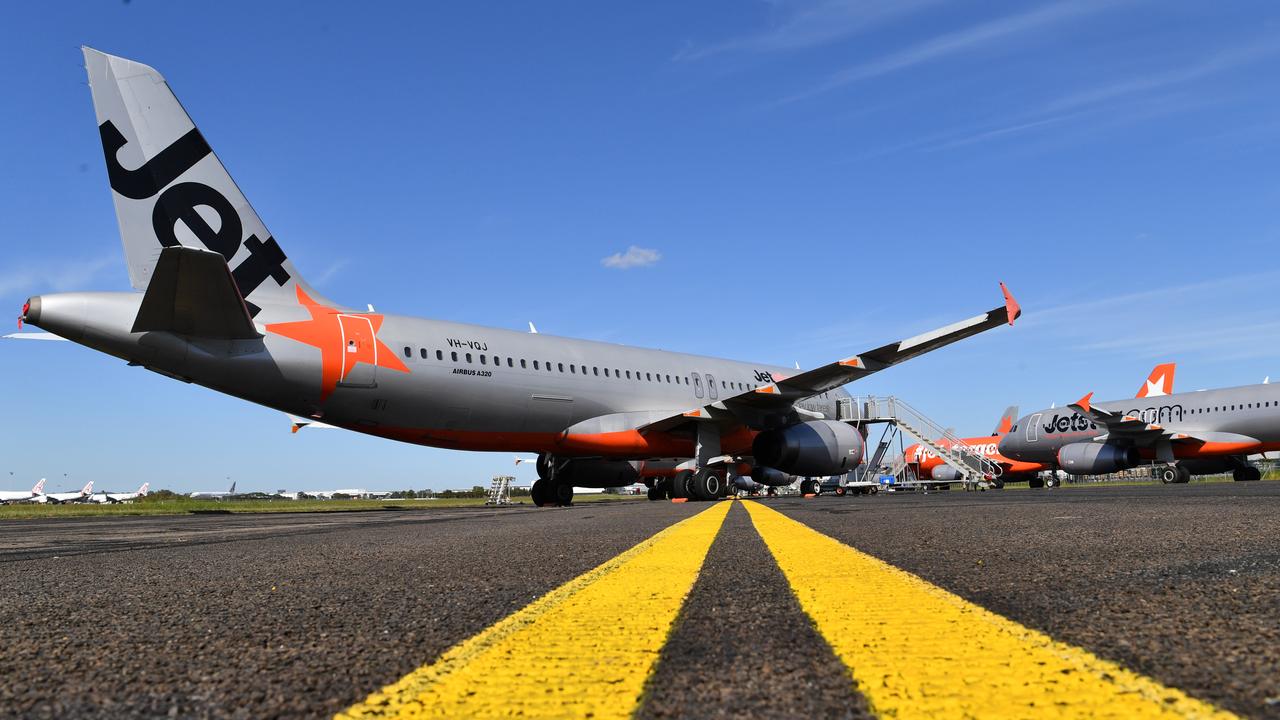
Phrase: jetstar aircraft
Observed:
(222, 306)
(1194, 433)
(929, 465)
(9, 496)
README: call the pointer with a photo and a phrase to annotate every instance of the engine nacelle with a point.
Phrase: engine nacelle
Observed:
(1085, 458)
(745, 483)
(817, 447)
(600, 473)
(944, 473)
(770, 477)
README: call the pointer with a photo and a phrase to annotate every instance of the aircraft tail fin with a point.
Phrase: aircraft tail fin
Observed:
(1159, 382)
(169, 188)
(1007, 420)
(38, 489)
(232, 491)
(87, 489)
(146, 488)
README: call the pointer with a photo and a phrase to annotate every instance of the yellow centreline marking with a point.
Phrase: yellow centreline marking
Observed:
(583, 649)
(917, 650)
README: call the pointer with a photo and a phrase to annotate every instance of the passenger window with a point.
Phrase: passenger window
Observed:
(648, 376)
(628, 374)
(549, 367)
(424, 353)
(408, 352)
(606, 372)
(468, 357)
(482, 362)
(454, 354)
(561, 366)
(595, 371)
(511, 363)
(535, 364)
(440, 355)
(525, 367)
(573, 369)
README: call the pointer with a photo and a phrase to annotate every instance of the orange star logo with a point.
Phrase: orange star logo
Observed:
(344, 339)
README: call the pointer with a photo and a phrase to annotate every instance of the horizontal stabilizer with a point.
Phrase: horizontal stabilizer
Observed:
(191, 292)
(34, 336)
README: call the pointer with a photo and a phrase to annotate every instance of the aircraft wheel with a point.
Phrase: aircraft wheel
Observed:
(997, 483)
(1248, 473)
(1169, 474)
(543, 466)
(563, 494)
(705, 485)
(840, 491)
(656, 493)
(1184, 475)
(806, 487)
(541, 493)
(680, 484)
(772, 492)
(1035, 482)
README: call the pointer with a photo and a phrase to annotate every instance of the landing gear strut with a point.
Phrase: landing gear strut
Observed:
(547, 490)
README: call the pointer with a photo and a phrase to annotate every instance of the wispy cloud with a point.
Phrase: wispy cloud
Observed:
(953, 43)
(329, 273)
(634, 257)
(811, 25)
(69, 276)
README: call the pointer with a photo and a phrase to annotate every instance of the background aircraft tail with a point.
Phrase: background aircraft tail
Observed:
(1009, 417)
(87, 489)
(146, 488)
(39, 488)
(1159, 382)
(169, 188)
(232, 491)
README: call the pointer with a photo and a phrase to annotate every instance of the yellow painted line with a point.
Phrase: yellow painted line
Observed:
(918, 651)
(584, 649)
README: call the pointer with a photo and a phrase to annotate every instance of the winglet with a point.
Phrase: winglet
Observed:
(1010, 304)
(1083, 403)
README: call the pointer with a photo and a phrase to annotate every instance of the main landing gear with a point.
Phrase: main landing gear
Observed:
(690, 485)
(1248, 473)
(1171, 474)
(546, 490)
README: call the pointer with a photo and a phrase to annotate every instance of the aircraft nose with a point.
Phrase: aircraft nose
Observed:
(31, 311)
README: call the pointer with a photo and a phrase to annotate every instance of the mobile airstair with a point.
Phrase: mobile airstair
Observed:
(972, 468)
(500, 490)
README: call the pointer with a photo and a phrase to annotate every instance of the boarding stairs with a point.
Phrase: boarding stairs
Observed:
(500, 490)
(972, 467)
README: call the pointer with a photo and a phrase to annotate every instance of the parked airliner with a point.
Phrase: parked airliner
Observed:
(9, 496)
(221, 305)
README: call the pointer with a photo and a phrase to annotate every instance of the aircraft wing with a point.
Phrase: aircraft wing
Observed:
(782, 394)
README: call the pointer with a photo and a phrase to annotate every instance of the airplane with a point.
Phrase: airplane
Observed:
(213, 494)
(1192, 433)
(66, 497)
(106, 497)
(929, 465)
(9, 496)
(222, 306)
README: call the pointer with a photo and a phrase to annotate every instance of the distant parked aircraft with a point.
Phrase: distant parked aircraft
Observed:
(8, 496)
(66, 497)
(214, 494)
(106, 497)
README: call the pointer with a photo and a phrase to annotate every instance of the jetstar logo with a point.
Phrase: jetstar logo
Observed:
(344, 339)
(179, 202)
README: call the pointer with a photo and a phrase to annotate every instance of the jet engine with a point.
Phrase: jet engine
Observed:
(944, 473)
(817, 447)
(747, 484)
(770, 477)
(1085, 458)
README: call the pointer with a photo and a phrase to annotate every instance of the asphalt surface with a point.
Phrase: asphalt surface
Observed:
(304, 615)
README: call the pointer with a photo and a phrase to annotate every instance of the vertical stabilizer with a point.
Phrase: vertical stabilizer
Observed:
(1007, 420)
(39, 488)
(87, 489)
(1159, 382)
(170, 189)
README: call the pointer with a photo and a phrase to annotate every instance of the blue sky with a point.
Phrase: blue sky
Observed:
(801, 180)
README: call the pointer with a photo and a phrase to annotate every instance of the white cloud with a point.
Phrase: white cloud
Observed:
(978, 36)
(71, 276)
(812, 25)
(633, 257)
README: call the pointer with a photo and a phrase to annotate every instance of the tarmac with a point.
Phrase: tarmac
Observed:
(1121, 601)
